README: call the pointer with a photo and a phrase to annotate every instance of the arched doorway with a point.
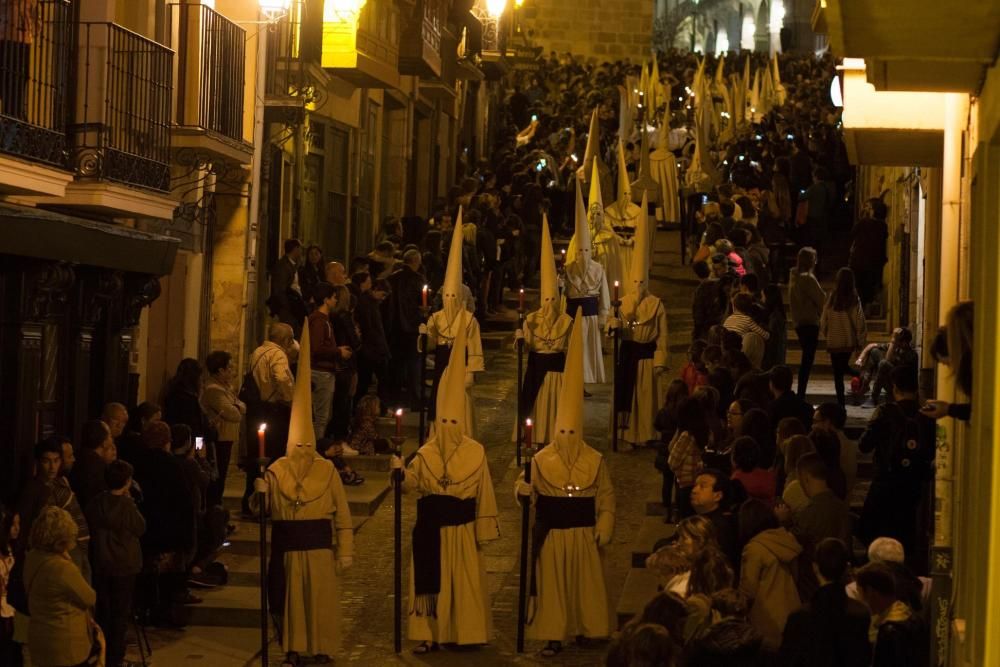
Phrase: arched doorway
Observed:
(762, 33)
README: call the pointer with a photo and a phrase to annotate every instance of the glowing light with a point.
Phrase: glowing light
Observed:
(518, 3)
(495, 7)
(835, 95)
(722, 41)
(341, 10)
(747, 33)
(274, 8)
(777, 15)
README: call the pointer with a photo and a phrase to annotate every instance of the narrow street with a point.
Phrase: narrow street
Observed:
(367, 588)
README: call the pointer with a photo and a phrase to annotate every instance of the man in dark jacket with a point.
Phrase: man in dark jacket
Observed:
(405, 319)
(286, 300)
(115, 526)
(831, 630)
(869, 238)
(902, 637)
(786, 402)
(710, 499)
(705, 309)
(374, 356)
(97, 450)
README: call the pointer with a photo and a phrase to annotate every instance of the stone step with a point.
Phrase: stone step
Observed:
(640, 587)
(651, 531)
(227, 606)
(654, 504)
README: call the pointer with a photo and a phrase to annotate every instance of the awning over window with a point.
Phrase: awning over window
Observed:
(32, 232)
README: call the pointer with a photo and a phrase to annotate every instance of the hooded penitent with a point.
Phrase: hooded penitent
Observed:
(581, 231)
(451, 290)
(595, 202)
(450, 416)
(592, 157)
(624, 187)
(549, 285)
(301, 446)
(644, 185)
(639, 279)
(569, 417)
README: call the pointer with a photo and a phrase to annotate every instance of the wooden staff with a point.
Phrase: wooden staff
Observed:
(262, 462)
(522, 589)
(397, 482)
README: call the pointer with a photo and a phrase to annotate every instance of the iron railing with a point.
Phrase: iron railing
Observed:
(219, 69)
(123, 107)
(35, 42)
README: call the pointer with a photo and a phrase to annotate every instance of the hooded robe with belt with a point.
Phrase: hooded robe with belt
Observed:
(570, 595)
(592, 285)
(441, 331)
(547, 342)
(645, 328)
(461, 610)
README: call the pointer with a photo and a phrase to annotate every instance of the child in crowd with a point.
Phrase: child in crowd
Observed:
(694, 374)
(364, 432)
(10, 528)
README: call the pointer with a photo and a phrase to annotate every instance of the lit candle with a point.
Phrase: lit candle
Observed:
(616, 291)
(520, 299)
(423, 297)
(261, 441)
(564, 255)
(399, 422)
(527, 433)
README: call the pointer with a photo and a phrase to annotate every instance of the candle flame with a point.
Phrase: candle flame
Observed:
(425, 288)
(399, 412)
(262, 428)
(527, 422)
(616, 283)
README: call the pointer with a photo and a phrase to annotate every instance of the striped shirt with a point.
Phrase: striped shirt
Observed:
(742, 324)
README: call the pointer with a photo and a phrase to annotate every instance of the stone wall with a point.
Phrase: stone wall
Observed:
(599, 29)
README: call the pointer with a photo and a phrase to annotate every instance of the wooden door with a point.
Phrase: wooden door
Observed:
(165, 344)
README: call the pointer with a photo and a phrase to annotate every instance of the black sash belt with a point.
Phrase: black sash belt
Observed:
(434, 512)
(539, 364)
(558, 513)
(587, 303)
(305, 535)
(630, 355)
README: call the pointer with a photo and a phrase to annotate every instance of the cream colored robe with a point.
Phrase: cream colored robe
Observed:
(618, 216)
(441, 330)
(591, 282)
(609, 250)
(463, 606)
(545, 338)
(663, 164)
(572, 594)
(646, 323)
(312, 621)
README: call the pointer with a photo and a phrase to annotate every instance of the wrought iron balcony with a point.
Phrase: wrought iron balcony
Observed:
(420, 44)
(35, 40)
(211, 65)
(124, 86)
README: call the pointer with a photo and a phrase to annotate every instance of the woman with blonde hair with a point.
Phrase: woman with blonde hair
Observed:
(795, 448)
(61, 632)
(953, 348)
(673, 561)
(843, 325)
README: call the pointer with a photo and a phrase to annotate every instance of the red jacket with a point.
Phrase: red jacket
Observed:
(324, 351)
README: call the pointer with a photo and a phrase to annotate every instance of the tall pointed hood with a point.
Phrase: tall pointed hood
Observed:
(569, 413)
(549, 285)
(581, 233)
(591, 154)
(595, 190)
(720, 74)
(655, 93)
(450, 414)
(638, 283)
(301, 435)
(624, 187)
(451, 290)
(644, 186)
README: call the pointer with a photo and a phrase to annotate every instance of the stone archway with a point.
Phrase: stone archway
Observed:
(762, 32)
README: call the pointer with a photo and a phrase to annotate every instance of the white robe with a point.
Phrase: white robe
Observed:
(591, 282)
(312, 622)
(644, 324)
(543, 337)
(441, 330)
(463, 605)
(616, 216)
(663, 164)
(572, 595)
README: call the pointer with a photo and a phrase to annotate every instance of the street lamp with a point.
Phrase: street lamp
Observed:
(495, 7)
(342, 10)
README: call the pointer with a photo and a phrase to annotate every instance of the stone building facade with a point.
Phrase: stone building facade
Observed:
(598, 29)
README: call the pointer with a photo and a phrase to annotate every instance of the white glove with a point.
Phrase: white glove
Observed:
(614, 323)
(522, 488)
(600, 541)
(518, 334)
(396, 463)
(260, 485)
(344, 563)
(422, 329)
(469, 379)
